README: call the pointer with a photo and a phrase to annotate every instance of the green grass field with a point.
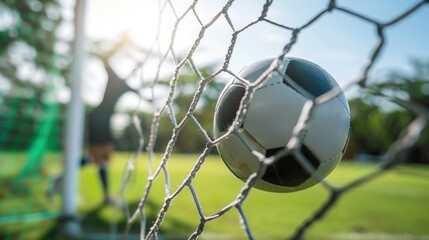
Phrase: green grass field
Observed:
(395, 205)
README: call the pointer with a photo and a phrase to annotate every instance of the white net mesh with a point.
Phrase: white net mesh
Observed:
(189, 36)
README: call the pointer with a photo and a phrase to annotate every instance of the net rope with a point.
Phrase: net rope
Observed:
(406, 140)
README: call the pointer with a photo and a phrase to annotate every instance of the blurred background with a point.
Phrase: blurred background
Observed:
(36, 54)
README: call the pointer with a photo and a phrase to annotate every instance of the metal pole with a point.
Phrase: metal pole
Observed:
(75, 120)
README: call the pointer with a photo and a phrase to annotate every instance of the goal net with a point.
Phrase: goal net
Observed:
(226, 37)
(29, 118)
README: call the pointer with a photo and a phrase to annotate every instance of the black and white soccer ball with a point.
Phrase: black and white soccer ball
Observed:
(272, 113)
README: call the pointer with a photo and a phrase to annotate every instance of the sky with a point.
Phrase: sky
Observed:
(338, 42)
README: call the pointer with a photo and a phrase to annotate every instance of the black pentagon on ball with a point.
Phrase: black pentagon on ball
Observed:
(228, 106)
(309, 76)
(287, 171)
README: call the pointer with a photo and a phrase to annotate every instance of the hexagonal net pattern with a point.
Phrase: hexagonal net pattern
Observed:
(187, 36)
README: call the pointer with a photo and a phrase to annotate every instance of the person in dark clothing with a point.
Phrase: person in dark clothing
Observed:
(99, 117)
(100, 139)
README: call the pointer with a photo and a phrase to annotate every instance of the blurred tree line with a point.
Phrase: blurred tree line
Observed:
(191, 140)
(376, 123)
(31, 52)
(30, 46)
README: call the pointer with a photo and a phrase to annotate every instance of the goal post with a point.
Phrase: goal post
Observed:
(74, 125)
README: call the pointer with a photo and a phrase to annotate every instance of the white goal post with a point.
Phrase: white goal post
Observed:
(75, 125)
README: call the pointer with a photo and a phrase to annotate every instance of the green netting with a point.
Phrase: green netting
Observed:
(42, 141)
(29, 132)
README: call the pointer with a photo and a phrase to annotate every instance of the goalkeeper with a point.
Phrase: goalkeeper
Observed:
(100, 141)
(100, 138)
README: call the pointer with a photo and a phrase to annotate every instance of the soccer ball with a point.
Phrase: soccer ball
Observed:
(270, 118)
